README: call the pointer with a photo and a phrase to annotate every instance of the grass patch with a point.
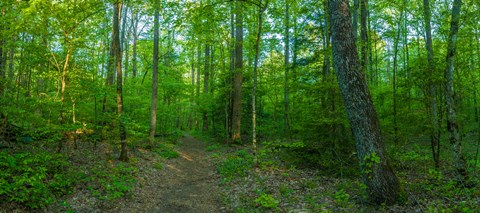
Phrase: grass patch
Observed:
(166, 151)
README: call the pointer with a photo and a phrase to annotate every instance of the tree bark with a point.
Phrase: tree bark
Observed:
(134, 48)
(153, 113)
(206, 76)
(356, 5)
(382, 184)
(117, 7)
(261, 9)
(452, 123)
(434, 120)
(286, 124)
(237, 78)
(364, 36)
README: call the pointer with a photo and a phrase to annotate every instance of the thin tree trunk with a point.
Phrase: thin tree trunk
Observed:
(63, 82)
(395, 69)
(117, 7)
(286, 125)
(452, 123)
(205, 84)
(254, 90)
(134, 51)
(434, 120)
(356, 4)
(382, 184)
(156, 35)
(197, 121)
(364, 36)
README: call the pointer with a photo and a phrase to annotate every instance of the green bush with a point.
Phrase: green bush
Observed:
(112, 183)
(34, 179)
(166, 151)
(267, 201)
(235, 165)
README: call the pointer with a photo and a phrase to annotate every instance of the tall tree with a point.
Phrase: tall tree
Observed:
(156, 35)
(117, 10)
(237, 76)
(261, 9)
(382, 184)
(206, 76)
(286, 125)
(452, 123)
(434, 118)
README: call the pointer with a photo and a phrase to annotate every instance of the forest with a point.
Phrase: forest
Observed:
(239, 106)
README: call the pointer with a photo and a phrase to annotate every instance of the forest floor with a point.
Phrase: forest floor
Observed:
(187, 183)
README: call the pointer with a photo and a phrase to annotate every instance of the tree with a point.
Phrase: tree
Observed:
(117, 7)
(206, 76)
(434, 118)
(382, 184)
(153, 114)
(261, 9)
(452, 123)
(286, 94)
(237, 76)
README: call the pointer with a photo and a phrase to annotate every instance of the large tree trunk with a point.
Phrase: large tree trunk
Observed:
(434, 120)
(452, 124)
(153, 114)
(237, 77)
(382, 184)
(117, 7)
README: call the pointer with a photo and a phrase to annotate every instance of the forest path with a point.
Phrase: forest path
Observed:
(188, 183)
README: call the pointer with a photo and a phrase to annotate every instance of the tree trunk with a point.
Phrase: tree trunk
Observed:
(286, 125)
(197, 122)
(382, 184)
(254, 90)
(364, 36)
(237, 78)
(355, 19)
(117, 7)
(395, 69)
(205, 84)
(452, 124)
(134, 51)
(434, 120)
(153, 114)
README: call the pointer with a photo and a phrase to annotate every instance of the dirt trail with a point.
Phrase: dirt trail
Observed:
(189, 184)
(186, 184)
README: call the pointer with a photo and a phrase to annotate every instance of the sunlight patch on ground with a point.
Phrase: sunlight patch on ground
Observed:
(173, 167)
(185, 156)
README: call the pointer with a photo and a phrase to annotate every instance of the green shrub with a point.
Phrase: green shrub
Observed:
(267, 201)
(235, 165)
(166, 151)
(34, 179)
(112, 183)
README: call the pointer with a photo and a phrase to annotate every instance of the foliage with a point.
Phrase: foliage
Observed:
(267, 201)
(35, 179)
(235, 165)
(166, 151)
(112, 181)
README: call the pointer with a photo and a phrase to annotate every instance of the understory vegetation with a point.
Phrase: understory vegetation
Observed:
(280, 184)
(304, 105)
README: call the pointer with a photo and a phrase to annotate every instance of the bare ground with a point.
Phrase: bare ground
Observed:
(186, 184)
